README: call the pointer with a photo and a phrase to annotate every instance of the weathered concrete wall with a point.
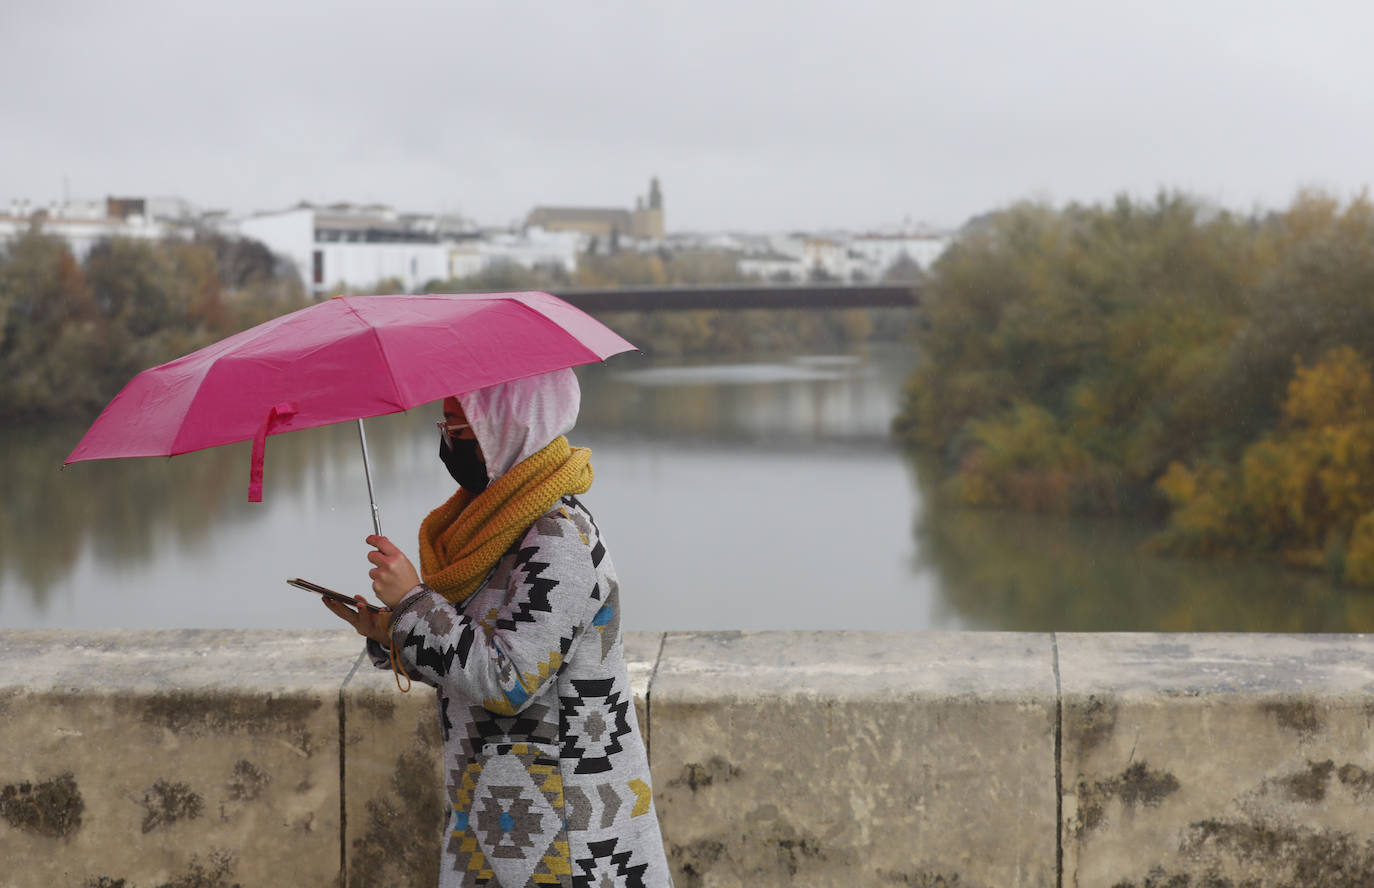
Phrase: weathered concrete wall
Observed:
(144, 759)
(1218, 760)
(856, 758)
(170, 759)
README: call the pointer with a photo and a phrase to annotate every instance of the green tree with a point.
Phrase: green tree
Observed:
(54, 335)
(1302, 492)
(70, 336)
(1113, 320)
(904, 269)
(1312, 295)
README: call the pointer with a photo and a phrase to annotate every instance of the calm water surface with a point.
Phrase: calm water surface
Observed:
(760, 495)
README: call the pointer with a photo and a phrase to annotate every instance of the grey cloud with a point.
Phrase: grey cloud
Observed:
(755, 115)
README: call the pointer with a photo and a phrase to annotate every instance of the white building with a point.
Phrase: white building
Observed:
(533, 248)
(771, 266)
(83, 223)
(358, 246)
(839, 255)
(801, 258)
(880, 252)
(827, 257)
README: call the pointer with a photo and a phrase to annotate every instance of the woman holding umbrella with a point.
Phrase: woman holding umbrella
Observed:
(514, 617)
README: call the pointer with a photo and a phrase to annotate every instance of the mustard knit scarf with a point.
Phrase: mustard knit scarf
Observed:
(463, 539)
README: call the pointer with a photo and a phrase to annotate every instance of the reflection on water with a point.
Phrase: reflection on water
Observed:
(799, 402)
(745, 374)
(1010, 571)
(734, 496)
(152, 542)
(741, 498)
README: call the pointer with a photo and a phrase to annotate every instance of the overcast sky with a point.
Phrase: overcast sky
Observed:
(755, 115)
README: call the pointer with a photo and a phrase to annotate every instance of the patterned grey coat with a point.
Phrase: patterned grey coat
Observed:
(548, 778)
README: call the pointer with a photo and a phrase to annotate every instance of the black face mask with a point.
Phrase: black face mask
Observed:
(463, 464)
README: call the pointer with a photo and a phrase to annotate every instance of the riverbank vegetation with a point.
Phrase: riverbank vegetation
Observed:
(1162, 358)
(73, 333)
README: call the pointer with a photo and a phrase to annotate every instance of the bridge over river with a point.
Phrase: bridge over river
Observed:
(741, 296)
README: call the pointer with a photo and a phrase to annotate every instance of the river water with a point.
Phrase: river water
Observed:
(733, 495)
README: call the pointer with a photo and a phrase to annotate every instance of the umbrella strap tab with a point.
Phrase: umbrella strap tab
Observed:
(398, 666)
(282, 411)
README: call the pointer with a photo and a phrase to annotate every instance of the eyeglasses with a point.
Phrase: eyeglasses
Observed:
(450, 430)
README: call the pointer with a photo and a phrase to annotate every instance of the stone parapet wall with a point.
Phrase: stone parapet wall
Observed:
(144, 759)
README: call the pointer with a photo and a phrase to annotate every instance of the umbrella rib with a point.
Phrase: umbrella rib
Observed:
(175, 446)
(395, 388)
(580, 344)
(252, 334)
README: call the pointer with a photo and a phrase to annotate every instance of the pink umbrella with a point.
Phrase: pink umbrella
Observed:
(342, 359)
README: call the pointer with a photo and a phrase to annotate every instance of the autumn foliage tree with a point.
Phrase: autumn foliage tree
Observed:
(1304, 491)
(1162, 356)
(72, 334)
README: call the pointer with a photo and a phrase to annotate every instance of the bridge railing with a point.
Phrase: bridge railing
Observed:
(1018, 760)
(742, 296)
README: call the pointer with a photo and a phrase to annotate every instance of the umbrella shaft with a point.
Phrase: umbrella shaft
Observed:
(367, 473)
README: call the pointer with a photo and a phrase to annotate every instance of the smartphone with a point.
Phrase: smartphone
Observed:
(330, 593)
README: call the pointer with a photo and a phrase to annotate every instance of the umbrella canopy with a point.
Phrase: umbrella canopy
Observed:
(346, 358)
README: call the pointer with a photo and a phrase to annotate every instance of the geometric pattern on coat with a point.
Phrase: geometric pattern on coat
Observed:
(592, 723)
(508, 818)
(548, 778)
(604, 866)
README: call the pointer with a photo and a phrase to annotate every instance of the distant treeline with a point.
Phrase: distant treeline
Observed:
(73, 333)
(1162, 357)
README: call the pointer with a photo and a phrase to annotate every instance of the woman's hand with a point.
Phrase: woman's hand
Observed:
(369, 624)
(394, 575)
